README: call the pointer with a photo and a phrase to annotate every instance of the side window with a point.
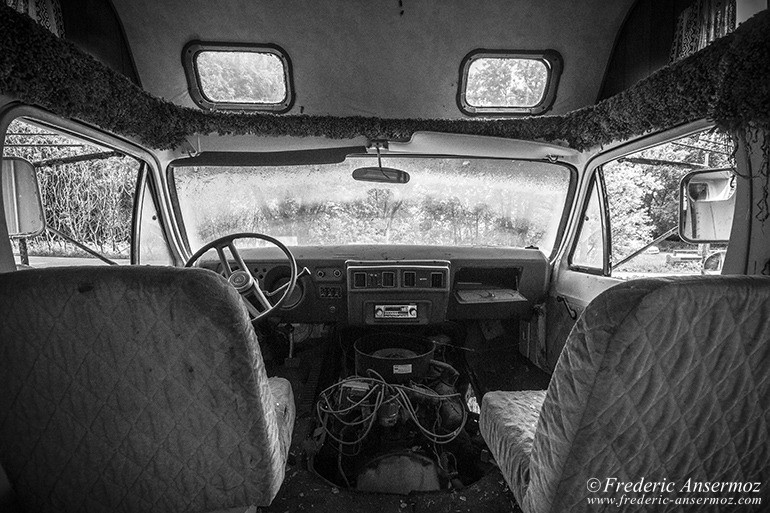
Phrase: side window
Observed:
(589, 250)
(643, 201)
(88, 195)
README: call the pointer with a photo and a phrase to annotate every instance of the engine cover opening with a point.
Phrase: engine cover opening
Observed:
(401, 474)
(378, 431)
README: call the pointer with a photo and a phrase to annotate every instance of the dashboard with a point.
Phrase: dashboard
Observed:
(402, 285)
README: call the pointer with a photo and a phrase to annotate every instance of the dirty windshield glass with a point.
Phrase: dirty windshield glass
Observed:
(447, 201)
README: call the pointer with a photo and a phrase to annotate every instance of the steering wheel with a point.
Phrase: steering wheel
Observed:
(242, 280)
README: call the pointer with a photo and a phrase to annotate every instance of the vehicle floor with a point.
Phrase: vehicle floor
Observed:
(493, 365)
(302, 490)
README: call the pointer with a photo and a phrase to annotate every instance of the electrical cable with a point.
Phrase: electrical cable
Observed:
(339, 467)
(386, 392)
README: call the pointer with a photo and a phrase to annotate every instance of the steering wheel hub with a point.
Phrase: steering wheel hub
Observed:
(241, 280)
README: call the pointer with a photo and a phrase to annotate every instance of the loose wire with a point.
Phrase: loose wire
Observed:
(394, 392)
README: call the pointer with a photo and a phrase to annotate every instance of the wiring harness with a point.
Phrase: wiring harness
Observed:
(349, 409)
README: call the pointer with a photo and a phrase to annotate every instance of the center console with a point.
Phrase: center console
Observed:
(403, 292)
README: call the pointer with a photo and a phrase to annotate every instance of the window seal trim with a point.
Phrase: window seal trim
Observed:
(189, 58)
(136, 213)
(551, 58)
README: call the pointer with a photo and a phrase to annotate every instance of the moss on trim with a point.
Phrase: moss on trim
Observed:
(728, 82)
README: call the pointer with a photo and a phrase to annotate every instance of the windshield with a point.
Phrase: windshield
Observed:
(447, 201)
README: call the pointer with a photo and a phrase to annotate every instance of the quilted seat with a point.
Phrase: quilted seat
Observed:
(136, 389)
(660, 379)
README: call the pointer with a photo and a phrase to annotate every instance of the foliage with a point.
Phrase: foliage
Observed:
(494, 82)
(90, 201)
(630, 222)
(726, 81)
(248, 77)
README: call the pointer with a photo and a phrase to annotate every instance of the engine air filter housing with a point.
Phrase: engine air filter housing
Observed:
(398, 358)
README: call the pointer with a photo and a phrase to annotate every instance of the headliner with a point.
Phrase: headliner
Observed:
(366, 58)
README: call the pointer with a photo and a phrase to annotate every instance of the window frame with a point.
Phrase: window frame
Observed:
(146, 190)
(552, 60)
(149, 162)
(596, 182)
(615, 151)
(189, 63)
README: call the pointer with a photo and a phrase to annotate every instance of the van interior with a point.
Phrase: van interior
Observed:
(384, 256)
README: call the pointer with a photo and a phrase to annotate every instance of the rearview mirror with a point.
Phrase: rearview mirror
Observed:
(22, 204)
(707, 205)
(380, 174)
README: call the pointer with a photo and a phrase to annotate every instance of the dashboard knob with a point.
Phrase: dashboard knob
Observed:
(412, 311)
(378, 312)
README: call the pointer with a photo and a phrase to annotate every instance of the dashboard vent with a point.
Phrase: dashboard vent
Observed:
(437, 280)
(388, 279)
(410, 279)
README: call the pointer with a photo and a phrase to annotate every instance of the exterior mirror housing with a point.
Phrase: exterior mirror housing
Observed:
(22, 203)
(707, 205)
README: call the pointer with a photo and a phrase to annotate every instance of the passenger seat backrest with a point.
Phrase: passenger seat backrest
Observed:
(133, 389)
(659, 379)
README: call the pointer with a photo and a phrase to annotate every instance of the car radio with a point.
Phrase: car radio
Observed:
(395, 311)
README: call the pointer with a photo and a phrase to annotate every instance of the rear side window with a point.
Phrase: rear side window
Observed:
(238, 77)
(508, 83)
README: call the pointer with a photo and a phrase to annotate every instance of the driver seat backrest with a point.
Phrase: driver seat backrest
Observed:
(135, 389)
(660, 379)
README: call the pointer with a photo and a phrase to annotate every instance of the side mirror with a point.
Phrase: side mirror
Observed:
(22, 202)
(714, 262)
(707, 205)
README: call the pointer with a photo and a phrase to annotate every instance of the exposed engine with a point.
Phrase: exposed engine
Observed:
(398, 424)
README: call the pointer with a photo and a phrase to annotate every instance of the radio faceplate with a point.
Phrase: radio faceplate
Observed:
(395, 311)
(397, 292)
